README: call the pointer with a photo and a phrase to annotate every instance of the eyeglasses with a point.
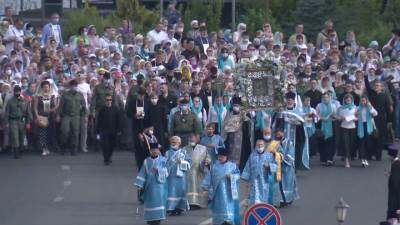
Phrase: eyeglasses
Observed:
(109, 100)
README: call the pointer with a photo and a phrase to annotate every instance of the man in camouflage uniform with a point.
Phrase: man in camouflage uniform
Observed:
(18, 117)
(72, 108)
(100, 92)
(184, 123)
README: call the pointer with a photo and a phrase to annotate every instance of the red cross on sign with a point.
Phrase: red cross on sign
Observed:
(262, 214)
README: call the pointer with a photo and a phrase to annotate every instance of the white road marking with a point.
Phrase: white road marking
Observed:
(58, 199)
(65, 167)
(67, 183)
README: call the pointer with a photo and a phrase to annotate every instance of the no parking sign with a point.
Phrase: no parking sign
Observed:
(262, 214)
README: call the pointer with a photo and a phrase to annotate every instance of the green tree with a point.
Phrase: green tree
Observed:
(142, 18)
(312, 14)
(366, 21)
(209, 11)
(255, 13)
(391, 12)
(83, 17)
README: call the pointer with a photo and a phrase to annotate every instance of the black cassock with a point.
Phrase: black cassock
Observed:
(394, 190)
(156, 116)
(381, 103)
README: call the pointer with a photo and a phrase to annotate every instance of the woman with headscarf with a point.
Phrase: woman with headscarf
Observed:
(347, 114)
(326, 113)
(365, 127)
(94, 39)
(45, 104)
(196, 106)
(216, 114)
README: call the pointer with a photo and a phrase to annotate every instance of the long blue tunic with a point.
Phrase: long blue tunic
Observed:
(288, 151)
(260, 179)
(223, 192)
(215, 140)
(152, 178)
(177, 183)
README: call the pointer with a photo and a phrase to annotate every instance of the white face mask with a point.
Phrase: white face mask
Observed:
(267, 137)
(260, 150)
(151, 132)
(236, 108)
(8, 72)
(192, 144)
(154, 101)
(184, 107)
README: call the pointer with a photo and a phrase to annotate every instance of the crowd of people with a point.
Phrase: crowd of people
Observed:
(170, 93)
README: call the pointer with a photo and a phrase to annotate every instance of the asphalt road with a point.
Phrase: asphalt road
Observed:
(80, 190)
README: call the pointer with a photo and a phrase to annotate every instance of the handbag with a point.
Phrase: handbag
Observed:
(42, 121)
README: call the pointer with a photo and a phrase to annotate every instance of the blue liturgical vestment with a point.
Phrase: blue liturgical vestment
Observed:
(223, 192)
(260, 178)
(152, 178)
(177, 179)
(215, 140)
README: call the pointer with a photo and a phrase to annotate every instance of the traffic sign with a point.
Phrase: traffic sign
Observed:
(262, 214)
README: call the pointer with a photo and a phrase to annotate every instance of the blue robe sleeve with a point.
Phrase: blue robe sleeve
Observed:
(246, 171)
(234, 181)
(141, 177)
(206, 185)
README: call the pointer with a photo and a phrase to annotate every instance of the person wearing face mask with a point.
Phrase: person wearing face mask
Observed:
(224, 60)
(267, 135)
(222, 185)
(199, 167)
(178, 164)
(259, 172)
(17, 117)
(108, 128)
(156, 115)
(100, 92)
(146, 138)
(52, 30)
(151, 182)
(72, 107)
(235, 132)
(294, 148)
(184, 122)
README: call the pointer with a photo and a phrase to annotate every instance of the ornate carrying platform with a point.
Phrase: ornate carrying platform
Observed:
(261, 87)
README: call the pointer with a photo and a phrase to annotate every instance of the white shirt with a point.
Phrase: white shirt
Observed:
(11, 33)
(55, 29)
(84, 88)
(364, 114)
(348, 113)
(156, 38)
(213, 115)
(107, 43)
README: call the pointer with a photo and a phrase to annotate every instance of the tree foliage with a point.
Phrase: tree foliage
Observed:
(255, 13)
(209, 11)
(370, 19)
(83, 17)
(143, 19)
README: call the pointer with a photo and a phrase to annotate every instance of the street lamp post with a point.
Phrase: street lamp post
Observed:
(341, 210)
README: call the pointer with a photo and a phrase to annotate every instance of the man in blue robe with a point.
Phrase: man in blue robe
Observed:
(178, 164)
(222, 185)
(259, 171)
(291, 121)
(212, 141)
(152, 184)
